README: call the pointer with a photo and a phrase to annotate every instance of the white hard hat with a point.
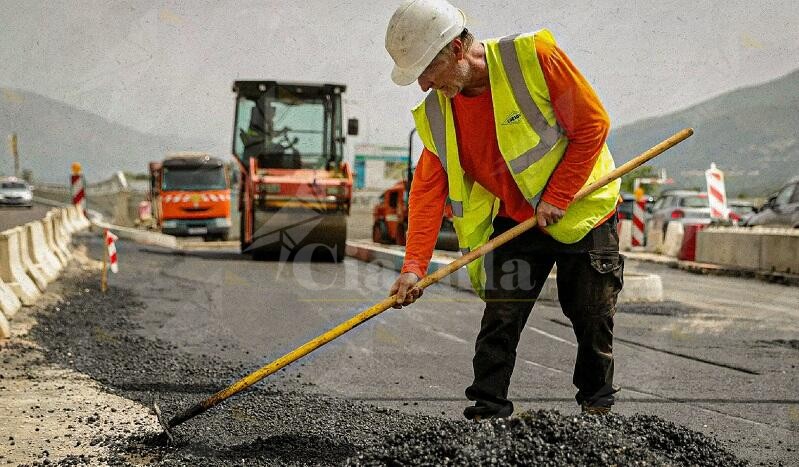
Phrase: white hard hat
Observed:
(417, 32)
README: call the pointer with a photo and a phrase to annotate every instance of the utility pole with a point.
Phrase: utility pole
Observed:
(12, 144)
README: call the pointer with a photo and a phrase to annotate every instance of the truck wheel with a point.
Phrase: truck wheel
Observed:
(380, 232)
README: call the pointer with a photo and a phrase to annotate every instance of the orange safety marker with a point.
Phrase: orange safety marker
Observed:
(76, 183)
(717, 195)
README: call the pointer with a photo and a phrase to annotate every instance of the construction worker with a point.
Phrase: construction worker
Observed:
(511, 130)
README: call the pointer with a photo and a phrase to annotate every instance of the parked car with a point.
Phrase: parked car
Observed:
(15, 192)
(684, 206)
(781, 209)
(740, 210)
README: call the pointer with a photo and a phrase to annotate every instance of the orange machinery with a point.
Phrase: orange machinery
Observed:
(390, 217)
(296, 189)
(190, 195)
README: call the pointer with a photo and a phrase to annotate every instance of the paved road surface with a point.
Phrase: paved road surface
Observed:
(717, 358)
(14, 216)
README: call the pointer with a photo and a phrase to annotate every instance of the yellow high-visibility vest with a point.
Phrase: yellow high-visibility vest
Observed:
(531, 143)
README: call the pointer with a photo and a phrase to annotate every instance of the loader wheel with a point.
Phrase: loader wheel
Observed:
(380, 232)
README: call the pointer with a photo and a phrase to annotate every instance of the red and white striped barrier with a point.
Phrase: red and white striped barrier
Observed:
(716, 193)
(639, 208)
(77, 188)
(110, 242)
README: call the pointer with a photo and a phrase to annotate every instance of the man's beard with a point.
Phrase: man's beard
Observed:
(463, 74)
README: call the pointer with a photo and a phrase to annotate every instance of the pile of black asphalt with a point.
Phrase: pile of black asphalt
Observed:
(279, 422)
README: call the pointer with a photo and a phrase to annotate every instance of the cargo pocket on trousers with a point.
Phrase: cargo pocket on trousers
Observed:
(609, 266)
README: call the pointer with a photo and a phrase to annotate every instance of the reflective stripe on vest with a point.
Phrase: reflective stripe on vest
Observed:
(435, 115)
(457, 208)
(549, 134)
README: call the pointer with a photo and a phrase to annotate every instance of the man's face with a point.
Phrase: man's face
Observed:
(445, 73)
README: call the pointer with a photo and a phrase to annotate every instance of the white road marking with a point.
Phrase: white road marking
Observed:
(542, 366)
(551, 336)
(451, 337)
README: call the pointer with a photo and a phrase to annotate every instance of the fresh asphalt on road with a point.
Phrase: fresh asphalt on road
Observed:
(720, 356)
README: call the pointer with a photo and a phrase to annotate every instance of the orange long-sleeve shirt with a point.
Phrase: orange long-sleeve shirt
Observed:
(579, 113)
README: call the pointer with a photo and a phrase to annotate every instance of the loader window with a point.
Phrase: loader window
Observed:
(393, 197)
(283, 128)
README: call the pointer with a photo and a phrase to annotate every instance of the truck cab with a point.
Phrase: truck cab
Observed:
(190, 195)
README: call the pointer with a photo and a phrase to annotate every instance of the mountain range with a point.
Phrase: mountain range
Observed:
(52, 135)
(752, 134)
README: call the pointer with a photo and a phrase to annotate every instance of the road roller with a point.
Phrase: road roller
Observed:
(295, 187)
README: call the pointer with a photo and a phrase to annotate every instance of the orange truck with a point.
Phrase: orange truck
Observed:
(190, 195)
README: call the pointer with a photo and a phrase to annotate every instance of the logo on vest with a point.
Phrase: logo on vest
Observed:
(513, 118)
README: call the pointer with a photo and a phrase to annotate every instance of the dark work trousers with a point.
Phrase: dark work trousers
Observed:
(589, 276)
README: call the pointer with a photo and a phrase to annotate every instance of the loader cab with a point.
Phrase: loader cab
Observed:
(289, 126)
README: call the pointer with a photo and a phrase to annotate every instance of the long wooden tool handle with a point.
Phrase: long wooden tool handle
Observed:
(428, 280)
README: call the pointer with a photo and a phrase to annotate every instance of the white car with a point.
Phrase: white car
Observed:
(15, 192)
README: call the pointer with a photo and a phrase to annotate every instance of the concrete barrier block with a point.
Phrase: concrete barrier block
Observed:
(70, 222)
(654, 239)
(81, 223)
(641, 288)
(9, 303)
(61, 241)
(729, 246)
(82, 219)
(673, 240)
(40, 253)
(62, 236)
(49, 236)
(625, 235)
(779, 250)
(5, 327)
(28, 265)
(11, 270)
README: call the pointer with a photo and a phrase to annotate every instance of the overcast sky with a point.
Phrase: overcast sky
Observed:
(167, 66)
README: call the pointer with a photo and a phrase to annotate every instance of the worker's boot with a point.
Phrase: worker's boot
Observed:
(595, 410)
(482, 412)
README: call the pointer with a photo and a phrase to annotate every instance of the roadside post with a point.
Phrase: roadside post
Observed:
(639, 208)
(77, 187)
(109, 258)
(716, 193)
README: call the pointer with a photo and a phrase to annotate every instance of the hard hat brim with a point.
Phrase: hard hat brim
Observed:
(405, 76)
